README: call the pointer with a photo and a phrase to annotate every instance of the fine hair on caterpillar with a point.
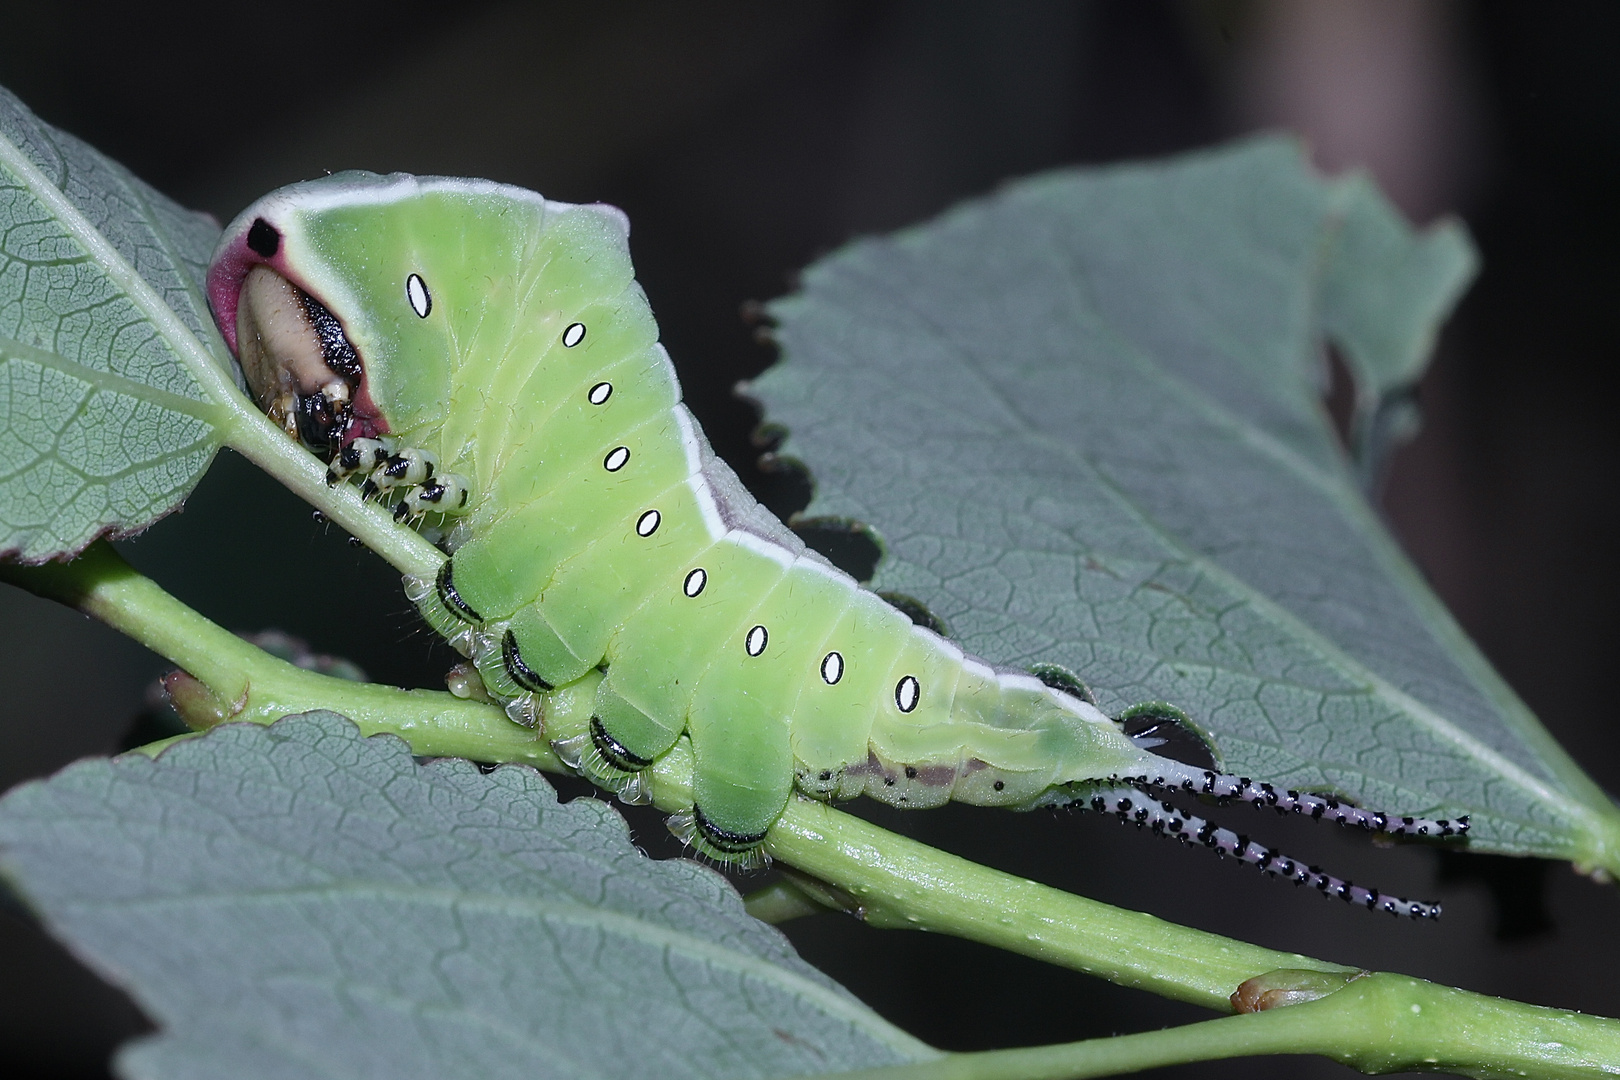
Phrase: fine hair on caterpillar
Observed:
(482, 360)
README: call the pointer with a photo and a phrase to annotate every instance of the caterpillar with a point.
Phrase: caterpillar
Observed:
(482, 359)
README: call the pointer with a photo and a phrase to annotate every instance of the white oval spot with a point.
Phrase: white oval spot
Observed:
(600, 393)
(755, 641)
(695, 582)
(647, 523)
(906, 693)
(616, 458)
(832, 668)
(573, 335)
(416, 292)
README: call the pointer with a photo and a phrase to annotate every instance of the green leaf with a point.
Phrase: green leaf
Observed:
(109, 361)
(296, 900)
(1084, 415)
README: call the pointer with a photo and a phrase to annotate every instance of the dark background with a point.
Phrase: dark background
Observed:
(745, 140)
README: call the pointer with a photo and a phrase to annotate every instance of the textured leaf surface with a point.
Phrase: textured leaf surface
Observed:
(297, 901)
(1084, 416)
(104, 425)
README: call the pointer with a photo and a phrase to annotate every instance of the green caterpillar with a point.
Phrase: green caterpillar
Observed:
(484, 359)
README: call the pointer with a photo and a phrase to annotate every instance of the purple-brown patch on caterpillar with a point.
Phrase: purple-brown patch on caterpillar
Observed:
(932, 775)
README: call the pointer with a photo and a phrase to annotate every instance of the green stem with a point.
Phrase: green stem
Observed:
(255, 438)
(888, 880)
(793, 896)
(1377, 1023)
(246, 683)
(900, 883)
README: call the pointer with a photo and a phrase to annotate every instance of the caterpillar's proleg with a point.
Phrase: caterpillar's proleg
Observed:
(461, 347)
(597, 756)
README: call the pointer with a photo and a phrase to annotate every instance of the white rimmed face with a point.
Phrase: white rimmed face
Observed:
(351, 300)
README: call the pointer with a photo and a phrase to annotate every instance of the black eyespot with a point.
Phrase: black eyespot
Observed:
(263, 240)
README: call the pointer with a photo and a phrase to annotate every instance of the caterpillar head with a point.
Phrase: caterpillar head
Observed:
(351, 300)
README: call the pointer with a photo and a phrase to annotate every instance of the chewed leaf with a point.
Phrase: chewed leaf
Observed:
(296, 900)
(107, 352)
(1084, 416)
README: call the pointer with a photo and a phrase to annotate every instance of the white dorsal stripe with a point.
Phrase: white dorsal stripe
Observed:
(1022, 680)
(817, 563)
(707, 508)
(761, 546)
(291, 207)
(943, 644)
(972, 665)
(376, 189)
(693, 444)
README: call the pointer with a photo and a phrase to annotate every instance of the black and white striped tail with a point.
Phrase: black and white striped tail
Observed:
(1132, 805)
(1174, 776)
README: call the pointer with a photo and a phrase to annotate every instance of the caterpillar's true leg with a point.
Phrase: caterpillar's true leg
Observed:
(415, 472)
(1141, 809)
(403, 468)
(446, 493)
(360, 456)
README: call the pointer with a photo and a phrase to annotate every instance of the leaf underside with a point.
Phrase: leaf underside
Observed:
(297, 900)
(103, 426)
(1085, 417)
